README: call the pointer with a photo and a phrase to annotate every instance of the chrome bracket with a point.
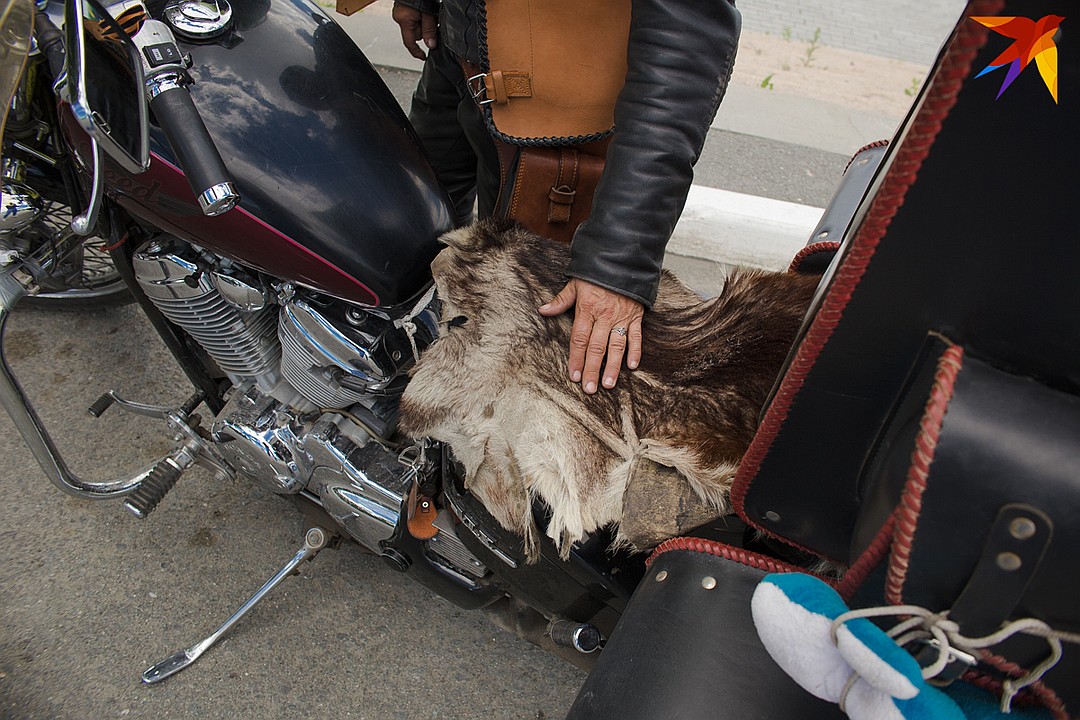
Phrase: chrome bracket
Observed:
(85, 223)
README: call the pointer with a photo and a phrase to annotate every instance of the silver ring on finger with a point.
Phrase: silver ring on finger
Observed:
(620, 330)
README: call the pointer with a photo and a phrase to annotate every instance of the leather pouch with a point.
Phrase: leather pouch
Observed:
(986, 524)
(551, 75)
(552, 190)
(688, 624)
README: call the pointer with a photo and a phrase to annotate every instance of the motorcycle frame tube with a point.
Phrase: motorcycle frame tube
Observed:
(37, 437)
(33, 430)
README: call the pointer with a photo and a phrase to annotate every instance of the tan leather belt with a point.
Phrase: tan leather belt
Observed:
(498, 86)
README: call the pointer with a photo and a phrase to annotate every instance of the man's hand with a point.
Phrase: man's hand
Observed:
(605, 323)
(416, 26)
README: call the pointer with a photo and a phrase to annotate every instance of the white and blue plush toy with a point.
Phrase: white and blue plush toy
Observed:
(794, 615)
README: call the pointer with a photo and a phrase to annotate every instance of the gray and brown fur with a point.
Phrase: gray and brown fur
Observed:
(496, 387)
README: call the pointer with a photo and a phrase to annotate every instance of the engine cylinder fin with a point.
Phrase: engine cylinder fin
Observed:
(241, 343)
(297, 361)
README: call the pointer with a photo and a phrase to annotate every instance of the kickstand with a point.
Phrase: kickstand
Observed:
(315, 539)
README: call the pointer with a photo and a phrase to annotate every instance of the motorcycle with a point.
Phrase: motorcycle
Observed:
(296, 317)
(295, 313)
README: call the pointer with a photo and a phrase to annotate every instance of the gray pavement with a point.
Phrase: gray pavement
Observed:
(902, 29)
(91, 596)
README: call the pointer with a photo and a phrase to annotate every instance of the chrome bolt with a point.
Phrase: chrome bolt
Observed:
(1022, 528)
(708, 582)
(316, 537)
(823, 234)
(661, 576)
(1009, 561)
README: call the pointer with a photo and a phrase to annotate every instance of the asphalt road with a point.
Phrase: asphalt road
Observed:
(90, 596)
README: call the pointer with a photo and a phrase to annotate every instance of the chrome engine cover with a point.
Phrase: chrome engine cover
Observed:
(363, 488)
(337, 354)
(242, 343)
(316, 355)
(359, 482)
(260, 438)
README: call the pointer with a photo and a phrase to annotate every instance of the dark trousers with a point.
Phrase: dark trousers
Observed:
(451, 128)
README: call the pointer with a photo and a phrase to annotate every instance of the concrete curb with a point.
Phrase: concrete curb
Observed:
(738, 229)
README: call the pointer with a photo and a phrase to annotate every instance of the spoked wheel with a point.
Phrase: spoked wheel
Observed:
(85, 278)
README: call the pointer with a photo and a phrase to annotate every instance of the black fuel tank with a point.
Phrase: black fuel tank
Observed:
(318, 146)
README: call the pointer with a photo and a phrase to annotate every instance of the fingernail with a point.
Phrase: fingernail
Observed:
(590, 387)
(430, 42)
(632, 364)
(609, 382)
(576, 376)
(545, 306)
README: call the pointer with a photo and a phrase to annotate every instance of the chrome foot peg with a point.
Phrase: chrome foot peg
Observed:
(193, 449)
(156, 485)
(314, 540)
(106, 401)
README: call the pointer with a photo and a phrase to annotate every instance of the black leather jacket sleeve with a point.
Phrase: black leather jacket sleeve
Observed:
(426, 6)
(679, 60)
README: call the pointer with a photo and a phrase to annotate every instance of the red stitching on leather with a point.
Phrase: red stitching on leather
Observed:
(940, 98)
(907, 512)
(873, 556)
(743, 557)
(864, 148)
(811, 249)
(1037, 693)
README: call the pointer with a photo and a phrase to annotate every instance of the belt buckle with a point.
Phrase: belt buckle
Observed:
(479, 90)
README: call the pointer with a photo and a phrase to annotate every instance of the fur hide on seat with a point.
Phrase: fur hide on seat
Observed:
(495, 386)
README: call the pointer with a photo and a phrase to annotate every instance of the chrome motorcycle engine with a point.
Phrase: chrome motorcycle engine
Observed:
(360, 482)
(229, 316)
(315, 386)
(332, 353)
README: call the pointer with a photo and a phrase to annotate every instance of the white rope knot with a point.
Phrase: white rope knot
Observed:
(405, 322)
(944, 636)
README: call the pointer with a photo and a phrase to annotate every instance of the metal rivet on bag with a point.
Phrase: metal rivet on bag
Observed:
(1022, 528)
(772, 516)
(1008, 561)
(708, 582)
(661, 576)
(823, 234)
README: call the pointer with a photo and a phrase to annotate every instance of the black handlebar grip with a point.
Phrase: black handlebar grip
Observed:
(195, 150)
(50, 41)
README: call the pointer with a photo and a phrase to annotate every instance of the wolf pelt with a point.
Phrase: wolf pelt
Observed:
(495, 385)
